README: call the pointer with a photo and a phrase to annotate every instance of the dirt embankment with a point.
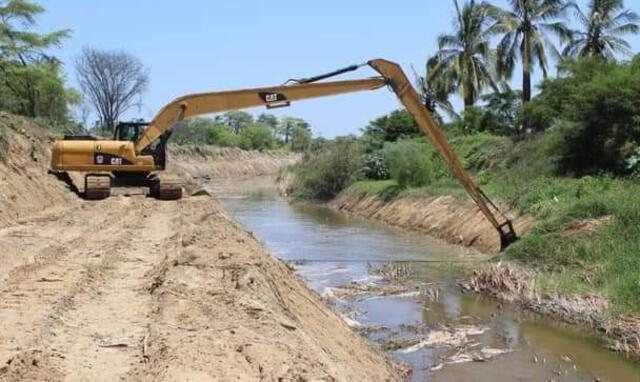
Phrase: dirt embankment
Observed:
(207, 162)
(132, 288)
(458, 222)
(25, 187)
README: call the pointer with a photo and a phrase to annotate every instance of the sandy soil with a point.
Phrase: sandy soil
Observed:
(137, 289)
(132, 288)
(445, 217)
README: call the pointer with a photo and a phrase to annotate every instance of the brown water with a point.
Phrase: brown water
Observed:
(330, 249)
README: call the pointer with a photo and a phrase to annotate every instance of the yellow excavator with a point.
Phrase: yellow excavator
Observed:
(137, 153)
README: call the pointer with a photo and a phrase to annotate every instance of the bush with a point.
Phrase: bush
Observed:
(323, 173)
(220, 135)
(481, 151)
(375, 167)
(257, 137)
(410, 163)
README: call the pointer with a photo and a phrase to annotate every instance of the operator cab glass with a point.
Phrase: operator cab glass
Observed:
(129, 131)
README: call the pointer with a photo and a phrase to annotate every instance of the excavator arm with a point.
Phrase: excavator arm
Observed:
(277, 96)
(390, 74)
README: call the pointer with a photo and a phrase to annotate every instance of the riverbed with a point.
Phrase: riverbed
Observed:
(422, 319)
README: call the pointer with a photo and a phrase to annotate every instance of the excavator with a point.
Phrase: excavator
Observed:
(137, 153)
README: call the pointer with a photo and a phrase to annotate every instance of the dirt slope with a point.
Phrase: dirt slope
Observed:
(25, 187)
(136, 289)
(444, 217)
(139, 289)
(206, 162)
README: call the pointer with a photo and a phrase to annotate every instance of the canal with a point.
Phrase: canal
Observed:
(439, 332)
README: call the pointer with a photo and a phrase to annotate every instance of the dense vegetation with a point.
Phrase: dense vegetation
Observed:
(31, 79)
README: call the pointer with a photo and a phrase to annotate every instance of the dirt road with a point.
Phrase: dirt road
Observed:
(137, 289)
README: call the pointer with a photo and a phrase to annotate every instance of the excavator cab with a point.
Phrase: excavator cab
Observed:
(129, 131)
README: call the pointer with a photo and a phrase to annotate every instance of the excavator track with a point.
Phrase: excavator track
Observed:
(166, 188)
(97, 186)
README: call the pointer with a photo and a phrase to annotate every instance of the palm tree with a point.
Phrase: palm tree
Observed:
(602, 29)
(435, 92)
(524, 30)
(464, 59)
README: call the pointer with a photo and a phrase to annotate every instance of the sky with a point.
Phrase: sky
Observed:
(208, 45)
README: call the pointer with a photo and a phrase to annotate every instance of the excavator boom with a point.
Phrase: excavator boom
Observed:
(121, 157)
(272, 97)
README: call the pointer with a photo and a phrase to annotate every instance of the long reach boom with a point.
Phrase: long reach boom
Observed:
(391, 75)
(147, 153)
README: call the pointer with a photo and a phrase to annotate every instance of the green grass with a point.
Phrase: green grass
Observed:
(384, 188)
(606, 261)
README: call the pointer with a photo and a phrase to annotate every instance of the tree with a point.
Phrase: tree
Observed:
(113, 81)
(391, 127)
(464, 58)
(237, 121)
(301, 138)
(269, 120)
(524, 31)
(593, 110)
(287, 126)
(435, 90)
(31, 82)
(602, 30)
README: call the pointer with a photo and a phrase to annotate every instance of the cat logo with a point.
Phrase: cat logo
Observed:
(272, 97)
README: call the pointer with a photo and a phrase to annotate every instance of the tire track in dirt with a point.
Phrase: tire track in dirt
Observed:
(102, 333)
(35, 296)
(161, 291)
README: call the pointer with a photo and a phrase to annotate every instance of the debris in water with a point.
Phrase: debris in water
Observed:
(393, 272)
(455, 337)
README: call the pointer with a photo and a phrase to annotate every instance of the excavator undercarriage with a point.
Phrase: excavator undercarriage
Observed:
(159, 186)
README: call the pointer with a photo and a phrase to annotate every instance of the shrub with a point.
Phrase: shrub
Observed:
(221, 135)
(410, 163)
(325, 172)
(257, 137)
(481, 151)
(375, 167)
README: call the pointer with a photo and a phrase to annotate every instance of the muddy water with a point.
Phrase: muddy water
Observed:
(331, 250)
